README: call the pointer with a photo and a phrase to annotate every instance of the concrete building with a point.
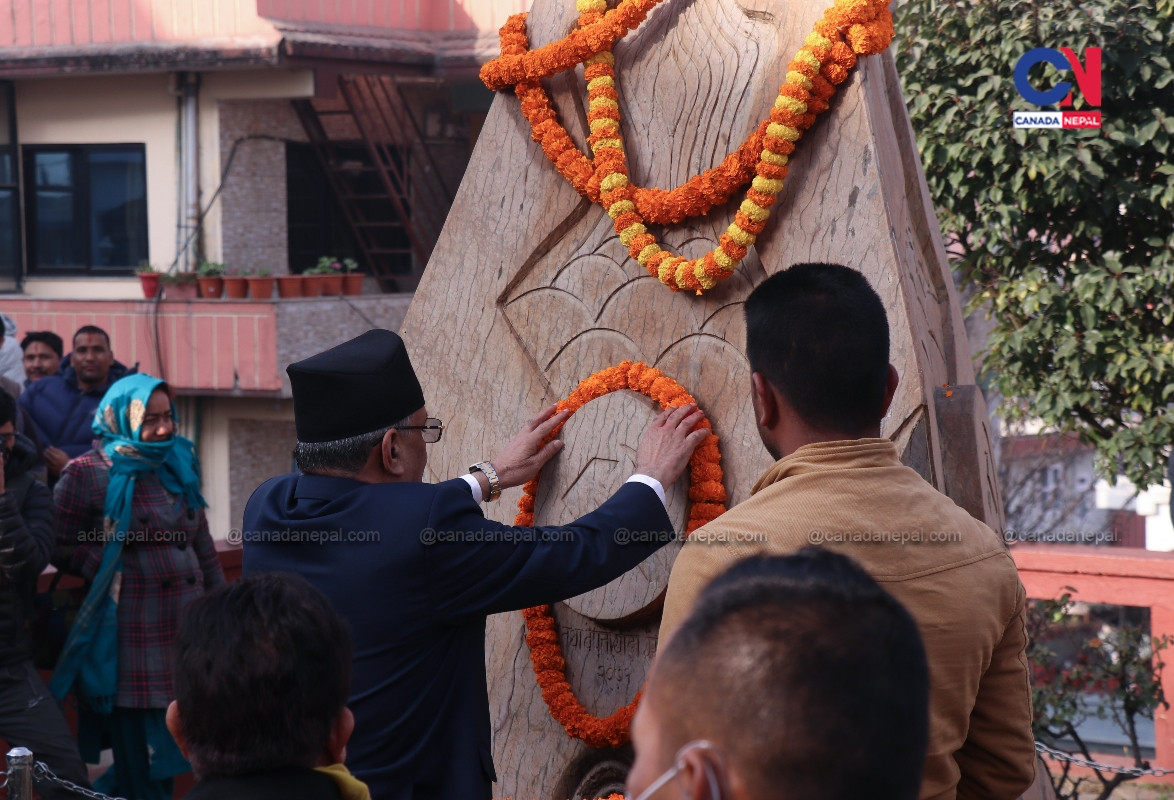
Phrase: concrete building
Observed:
(261, 134)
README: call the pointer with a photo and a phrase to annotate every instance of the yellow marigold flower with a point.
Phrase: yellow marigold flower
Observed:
(740, 236)
(799, 79)
(665, 270)
(767, 185)
(790, 104)
(604, 57)
(807, 57)
(615, 144)
(603, 102)
(679, 272)
(703, 277)
(602, 80)
(723, 260)
(647, 253)
(631, 232)
(815, 40)
(620, 207)
(591, 5)
(613, 181)
(778, 159)
(753, 210)
(782, 132)
(600, 123)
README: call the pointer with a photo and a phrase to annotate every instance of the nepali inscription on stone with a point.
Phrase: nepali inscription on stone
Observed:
(605, 667)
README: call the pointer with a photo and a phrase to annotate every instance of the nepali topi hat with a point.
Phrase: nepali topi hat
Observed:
(360, 386)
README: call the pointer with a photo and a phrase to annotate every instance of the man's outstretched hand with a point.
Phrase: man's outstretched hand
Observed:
(663, 453)
(669, 441)
(525, 455)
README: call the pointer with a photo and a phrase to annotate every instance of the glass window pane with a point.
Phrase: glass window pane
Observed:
(53, 170)
(5, 113)
(9, 242)
(7, 173)
(118, 208)
(54, 228)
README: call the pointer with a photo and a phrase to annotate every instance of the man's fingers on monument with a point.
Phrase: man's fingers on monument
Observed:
(548, 423)
(690, 421)
(672, 416)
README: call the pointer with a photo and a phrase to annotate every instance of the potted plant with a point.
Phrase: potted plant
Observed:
(148, 278)
(290, 285)
(179, 286)
(260, 285)
(236, 286)
(210, 278)
(352, 279)
(329, 272)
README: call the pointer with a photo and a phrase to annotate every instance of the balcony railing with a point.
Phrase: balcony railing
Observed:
(215, 347)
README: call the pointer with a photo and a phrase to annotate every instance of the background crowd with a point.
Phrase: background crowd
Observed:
(92, 461)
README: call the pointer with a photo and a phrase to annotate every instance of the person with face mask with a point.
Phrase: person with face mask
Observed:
(794, 676)
(131, 522)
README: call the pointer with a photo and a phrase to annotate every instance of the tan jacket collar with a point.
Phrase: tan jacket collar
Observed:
(821, 456)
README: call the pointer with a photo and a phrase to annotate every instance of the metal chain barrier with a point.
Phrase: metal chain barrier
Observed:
(1134, 772)
(42, 773)
(23, 769)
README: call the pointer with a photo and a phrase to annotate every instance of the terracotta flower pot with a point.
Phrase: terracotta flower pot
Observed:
(236, 288)
(330, 284)
(289, 285)
(150, 284)
(311, 286)
(211, 286)
(352, 283)
(260, 287)
(181, 290)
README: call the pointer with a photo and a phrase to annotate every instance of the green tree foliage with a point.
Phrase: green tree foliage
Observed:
(1068, 235)
(1077, 675)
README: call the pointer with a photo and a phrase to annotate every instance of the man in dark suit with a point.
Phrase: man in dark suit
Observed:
(415, 568)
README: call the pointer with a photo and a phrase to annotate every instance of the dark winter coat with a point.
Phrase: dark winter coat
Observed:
(27, 528)
(62, 413)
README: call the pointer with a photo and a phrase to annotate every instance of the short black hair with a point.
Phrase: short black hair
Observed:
(7, 408)
(262, 670)
(51, 339)
(94, 329)
(819, 334)
(806, 674)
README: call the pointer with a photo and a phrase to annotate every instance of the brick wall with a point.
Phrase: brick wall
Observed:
(258, 450)
(253, 227)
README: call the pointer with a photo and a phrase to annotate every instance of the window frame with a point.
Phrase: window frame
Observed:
(8, 89)
(83, 219)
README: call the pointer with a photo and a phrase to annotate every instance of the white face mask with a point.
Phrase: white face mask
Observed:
(678, 765)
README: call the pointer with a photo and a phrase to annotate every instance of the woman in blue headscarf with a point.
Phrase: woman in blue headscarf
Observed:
(131, 522)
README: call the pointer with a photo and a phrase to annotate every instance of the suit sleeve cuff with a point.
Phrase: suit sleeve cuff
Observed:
(651, 482)
(475, 487)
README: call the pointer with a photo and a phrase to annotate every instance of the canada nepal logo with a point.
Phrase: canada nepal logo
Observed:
(1087, 76)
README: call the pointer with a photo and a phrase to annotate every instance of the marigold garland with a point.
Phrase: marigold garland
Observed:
(707, 496)
(848, 29)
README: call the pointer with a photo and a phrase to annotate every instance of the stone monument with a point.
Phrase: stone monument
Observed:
(529, 290)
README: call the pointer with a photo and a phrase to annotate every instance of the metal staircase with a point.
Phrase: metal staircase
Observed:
(383, 174)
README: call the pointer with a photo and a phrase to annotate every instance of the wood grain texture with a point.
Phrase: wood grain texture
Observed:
(529, 291)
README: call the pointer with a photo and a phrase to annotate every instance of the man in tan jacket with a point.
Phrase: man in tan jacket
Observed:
(818, 345)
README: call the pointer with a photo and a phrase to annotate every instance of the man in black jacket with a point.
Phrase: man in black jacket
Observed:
(29, 717)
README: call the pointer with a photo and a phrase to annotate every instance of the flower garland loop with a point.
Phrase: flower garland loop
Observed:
(707, 496)
(848, 29)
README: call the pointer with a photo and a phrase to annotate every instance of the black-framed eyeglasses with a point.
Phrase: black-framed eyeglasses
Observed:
(430, 431)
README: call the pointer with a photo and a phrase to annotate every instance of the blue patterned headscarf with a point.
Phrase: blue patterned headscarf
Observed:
(118, 422)
(89, 661)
